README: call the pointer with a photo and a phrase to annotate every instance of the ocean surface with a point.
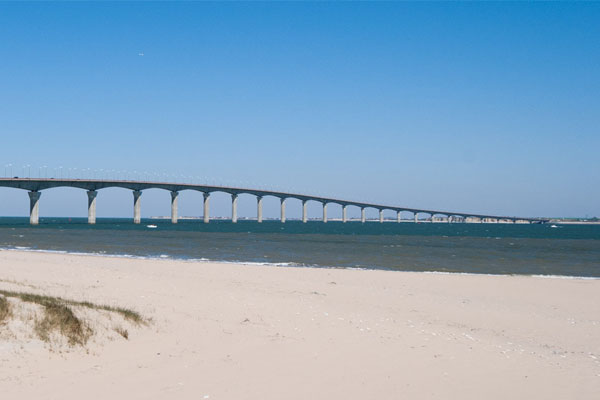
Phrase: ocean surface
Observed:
(568, 250)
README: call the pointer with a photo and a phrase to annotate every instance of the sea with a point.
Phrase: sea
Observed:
(507, 249)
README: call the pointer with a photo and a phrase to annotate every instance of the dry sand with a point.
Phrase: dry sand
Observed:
(224, 331)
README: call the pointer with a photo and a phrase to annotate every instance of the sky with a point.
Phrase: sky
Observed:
(471, 107)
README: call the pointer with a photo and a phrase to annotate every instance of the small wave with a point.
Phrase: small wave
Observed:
(508, 275)
(566, 277)
(257, 263)
(29, 249)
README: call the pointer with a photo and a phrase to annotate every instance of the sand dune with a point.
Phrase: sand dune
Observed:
(225, 331)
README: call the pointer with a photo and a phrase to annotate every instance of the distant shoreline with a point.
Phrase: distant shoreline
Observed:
(408, 220)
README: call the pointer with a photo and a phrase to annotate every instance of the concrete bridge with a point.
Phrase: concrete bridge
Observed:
(35, 187)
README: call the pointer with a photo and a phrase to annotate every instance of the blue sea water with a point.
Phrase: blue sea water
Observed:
(569, 250)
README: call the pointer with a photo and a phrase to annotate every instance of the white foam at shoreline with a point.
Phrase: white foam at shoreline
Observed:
(280, 264)
(158, 257)
(488, 274)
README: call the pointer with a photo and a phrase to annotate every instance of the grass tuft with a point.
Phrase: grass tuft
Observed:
(5, 310)
(123, 332)
(60, 317)
(131, 315)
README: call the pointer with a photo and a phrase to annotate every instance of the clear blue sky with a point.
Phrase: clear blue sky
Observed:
(490, 108)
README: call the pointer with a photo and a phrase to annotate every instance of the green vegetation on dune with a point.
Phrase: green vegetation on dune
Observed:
(5, 310)
(59, 316)
(51, 300)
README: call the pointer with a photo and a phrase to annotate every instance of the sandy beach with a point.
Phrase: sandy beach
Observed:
(228, 331)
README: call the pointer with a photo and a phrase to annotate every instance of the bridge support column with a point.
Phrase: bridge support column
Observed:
(206, 207)
(304, 214)
(449, 219)
(34, 207)
(259, 209)
(363, 215)
(381, 216)
(416, 217)
(174, 210)
(282, 210)
(137, 207)
(234, 198)
(398, 216)
(325, 212)
(344, 215)
(91, 194)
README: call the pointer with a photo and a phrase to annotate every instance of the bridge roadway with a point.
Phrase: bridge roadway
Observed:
(35, 186)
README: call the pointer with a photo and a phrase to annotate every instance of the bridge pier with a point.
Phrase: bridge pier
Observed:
(344, 215)
(259, 209)
(380, 216)
(363, 215)
(91, 194)
(34, 207)
(399, 216)
(325, 212)
(282, 215)
(174, 209)
(234, 208)
(449, 219)
(137, 207)
(416, 214)
(304, 214)
(206, 207)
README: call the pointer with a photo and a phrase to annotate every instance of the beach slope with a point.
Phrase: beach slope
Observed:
(227, 331)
